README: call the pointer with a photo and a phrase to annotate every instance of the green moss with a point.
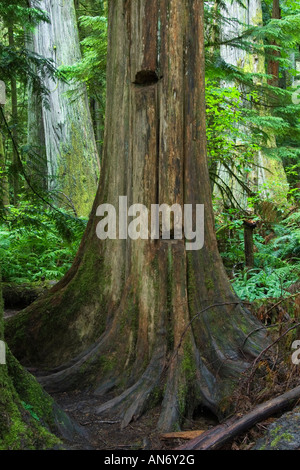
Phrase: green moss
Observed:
(186, 388)
(21, 428)
(209, 284)
(188, 365)
(29, 390)
(277, 437)
(108, 363)
(80, 184)
(182, 398)
(130, 314)
(156, 397)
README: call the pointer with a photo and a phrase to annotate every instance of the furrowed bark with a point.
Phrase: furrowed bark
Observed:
(63, 130)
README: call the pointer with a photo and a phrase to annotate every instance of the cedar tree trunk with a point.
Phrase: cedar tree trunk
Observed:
(63, 129)
(273, 65)
(120, 318)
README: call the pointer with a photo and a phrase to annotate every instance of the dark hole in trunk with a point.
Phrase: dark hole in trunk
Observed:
(146, 78)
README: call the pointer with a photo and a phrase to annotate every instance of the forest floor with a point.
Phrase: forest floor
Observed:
(106, 434)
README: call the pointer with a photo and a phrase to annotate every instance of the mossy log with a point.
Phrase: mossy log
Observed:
(19, 296)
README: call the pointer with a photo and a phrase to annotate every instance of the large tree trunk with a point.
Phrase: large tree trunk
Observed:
(120, 318)
(72, 159)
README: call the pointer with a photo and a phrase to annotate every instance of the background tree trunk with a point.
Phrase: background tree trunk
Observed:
(266, 169)
(37, 163)
(123, 317)
(249, 226)
(14, 132)
(73, 163)
(273, 65)
(4, 186)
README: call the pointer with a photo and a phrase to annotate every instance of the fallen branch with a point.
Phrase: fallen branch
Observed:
(280, 301)
(188, 435)
(218, 436)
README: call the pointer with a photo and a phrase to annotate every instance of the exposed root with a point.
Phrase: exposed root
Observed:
(131, 404)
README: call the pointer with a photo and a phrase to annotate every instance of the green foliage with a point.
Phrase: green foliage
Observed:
(225, 119)
(92, 68)
(265, 110)
(29, 408)
(265, 283)
(37, 244)
(227, 142)
(277, 263)
(16, 60)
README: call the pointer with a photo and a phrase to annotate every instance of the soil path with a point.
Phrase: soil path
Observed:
(106, 433)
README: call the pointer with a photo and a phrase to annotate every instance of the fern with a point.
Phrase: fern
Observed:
(37, 244)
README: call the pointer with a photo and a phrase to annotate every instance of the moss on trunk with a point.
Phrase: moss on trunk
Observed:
(26, 411)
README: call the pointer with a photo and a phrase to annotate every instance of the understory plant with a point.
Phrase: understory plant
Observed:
(38, 244)
(276, 257)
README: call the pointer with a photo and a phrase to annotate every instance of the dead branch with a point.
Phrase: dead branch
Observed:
(257, 359)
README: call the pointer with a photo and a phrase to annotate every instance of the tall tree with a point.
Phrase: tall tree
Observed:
(147, 318)
(273, 65)
(18, 65)
(67, 136)
(14, 112)
(4, 186)
(241, 18)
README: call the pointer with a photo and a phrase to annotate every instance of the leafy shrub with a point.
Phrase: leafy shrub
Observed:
(38, 244)
(276, 264)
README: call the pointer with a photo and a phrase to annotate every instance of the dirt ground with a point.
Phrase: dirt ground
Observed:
(106, 433)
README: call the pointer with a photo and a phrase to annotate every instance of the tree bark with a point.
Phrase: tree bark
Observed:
(4, 185)
(273, 65)
(14, 133)
(67, 131)
(120, 318)
(37, 160)
(249, 226)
